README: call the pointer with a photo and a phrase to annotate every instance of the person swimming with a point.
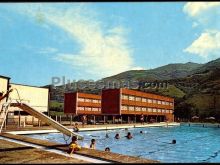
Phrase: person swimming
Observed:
(173, 141)
(75, 128)
(141, 131)
(107, 149)
(129, 136)
(92, 145)
(117, 136)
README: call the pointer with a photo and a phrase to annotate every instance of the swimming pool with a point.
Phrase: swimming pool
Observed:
(193, 144)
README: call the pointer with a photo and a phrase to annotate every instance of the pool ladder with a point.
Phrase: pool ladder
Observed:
(4, 113)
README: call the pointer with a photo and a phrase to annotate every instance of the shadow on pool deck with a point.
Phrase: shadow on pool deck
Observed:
(19, 154)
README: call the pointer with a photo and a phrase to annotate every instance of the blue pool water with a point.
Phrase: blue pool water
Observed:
(193, 144)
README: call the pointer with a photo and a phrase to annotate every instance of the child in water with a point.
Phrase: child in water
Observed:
(92, 145)
(73, 146)
(129, 136)
(117, 136)
(76, 129)
(173, 141)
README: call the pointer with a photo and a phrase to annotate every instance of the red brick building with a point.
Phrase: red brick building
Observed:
(131, 104)
(82, 103)
(120, 105)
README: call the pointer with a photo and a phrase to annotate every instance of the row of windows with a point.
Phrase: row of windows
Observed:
(133, 108)
(88, 109)
(80, 99)
(141, 99)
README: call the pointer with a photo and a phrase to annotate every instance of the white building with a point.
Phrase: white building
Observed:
(36, 97)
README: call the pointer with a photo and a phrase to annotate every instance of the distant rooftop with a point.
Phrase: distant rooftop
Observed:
(4, 77)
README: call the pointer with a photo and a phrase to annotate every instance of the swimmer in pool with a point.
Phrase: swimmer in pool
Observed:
(173, 141)
(92, 145)
(117, 136)
(129, 136)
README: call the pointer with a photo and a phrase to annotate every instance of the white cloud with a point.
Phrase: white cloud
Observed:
(194, 9)
(208, 44)
(207, 16)
(103, 51)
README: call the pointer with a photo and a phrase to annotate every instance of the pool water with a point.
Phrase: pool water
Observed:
(193, 144)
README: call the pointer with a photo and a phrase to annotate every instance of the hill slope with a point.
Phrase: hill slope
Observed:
(170, 71)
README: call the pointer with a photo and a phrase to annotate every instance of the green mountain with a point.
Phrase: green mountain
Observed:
(170, 71)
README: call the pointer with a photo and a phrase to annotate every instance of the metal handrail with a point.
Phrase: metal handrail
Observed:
(6, 112)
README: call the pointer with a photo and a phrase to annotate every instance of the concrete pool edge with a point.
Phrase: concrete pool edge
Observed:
(95, 154)
(59, 152)
(161, 124)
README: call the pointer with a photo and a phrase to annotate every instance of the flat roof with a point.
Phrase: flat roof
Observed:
(5, 77)
(30, 86)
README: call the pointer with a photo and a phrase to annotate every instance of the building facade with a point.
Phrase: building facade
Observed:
(120, 105)
(82, 104)
(36, 97)
(132, 103)
(4, 85)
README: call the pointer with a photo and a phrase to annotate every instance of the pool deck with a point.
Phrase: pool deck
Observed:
(12, 152)
(48, 129)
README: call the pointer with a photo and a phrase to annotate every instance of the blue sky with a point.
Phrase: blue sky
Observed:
(39, 41)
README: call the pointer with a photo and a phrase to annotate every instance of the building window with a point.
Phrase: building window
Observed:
(171, 104)
(163, 110)
(154, 101)
(137, 108)
(163, 102)
(95, 101)
(124, 108)
(125, 97)
(131, 98)
(81, 108)
(159, 110)
(88, 108)
(159, 102)
(138, 99)
(154, 110)
(144, 109)
(167, 111)
(95, 109)
(171, 111)
(87, 100)
(81, 99)
(167, 103)
(149, 109)
(149, 100)
(144, 100)
(131, 108)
